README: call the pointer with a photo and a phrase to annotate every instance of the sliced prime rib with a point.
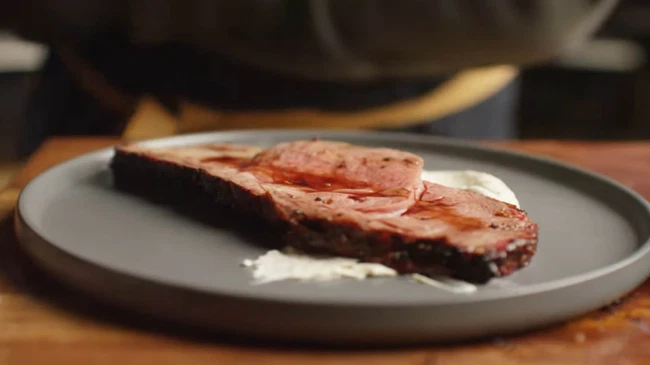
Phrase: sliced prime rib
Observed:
(340, 199)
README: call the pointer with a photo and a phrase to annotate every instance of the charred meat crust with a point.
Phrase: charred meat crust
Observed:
(428, 257)
(192, 189)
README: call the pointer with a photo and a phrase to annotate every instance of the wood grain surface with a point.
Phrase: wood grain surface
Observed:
(44, 322)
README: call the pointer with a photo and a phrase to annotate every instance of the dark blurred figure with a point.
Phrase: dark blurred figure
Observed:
(148, 68)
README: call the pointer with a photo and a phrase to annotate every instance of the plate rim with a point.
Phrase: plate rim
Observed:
(641, 252)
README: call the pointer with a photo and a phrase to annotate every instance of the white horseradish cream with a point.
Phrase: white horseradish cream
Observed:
(285, 265)
(276, 265)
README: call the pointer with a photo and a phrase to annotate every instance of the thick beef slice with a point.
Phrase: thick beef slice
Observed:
(335, 198)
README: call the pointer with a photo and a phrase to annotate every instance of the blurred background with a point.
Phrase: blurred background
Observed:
(600, 90)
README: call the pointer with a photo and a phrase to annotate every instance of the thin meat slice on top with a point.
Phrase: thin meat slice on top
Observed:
(332, 176)
(338, 166)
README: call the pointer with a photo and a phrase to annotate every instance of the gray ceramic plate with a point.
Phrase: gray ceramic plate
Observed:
(593, 248)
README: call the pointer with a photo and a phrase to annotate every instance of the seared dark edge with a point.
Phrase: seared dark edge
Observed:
(205, 195)
(190, 190)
